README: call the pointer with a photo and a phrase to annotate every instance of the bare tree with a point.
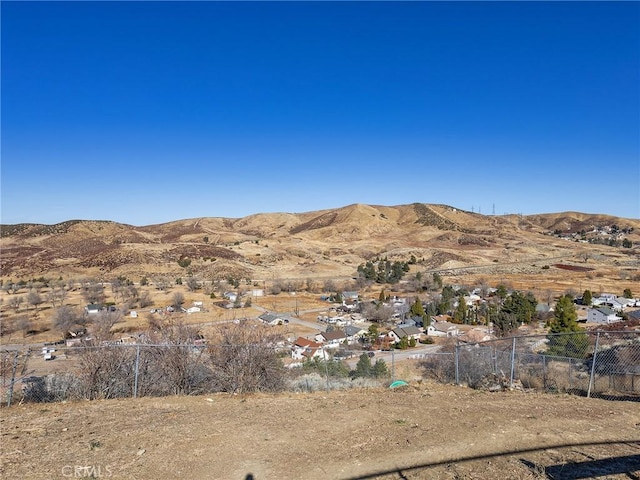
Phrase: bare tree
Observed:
(192, 283)
(177, 299)
(56, 296)
(15, 302)
(244, 359)
(145, 299)
(24, 324)
(93, 292)
(64, 318)
(377, 313)
(329, 286)
(162, 283)
(34, 298)
(117, 286)
(102, 324)
(129, 294)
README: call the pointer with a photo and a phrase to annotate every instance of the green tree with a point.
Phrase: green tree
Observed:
(627, 293)
(523, 307)
(504, 323)
(460, 314)
(373, 332)
(437, 281)
(380, 369)
(332, 367)
(626, 243)
(587, 298)
(502, 292)
(417, 310)
(566, 337)
(363, 367)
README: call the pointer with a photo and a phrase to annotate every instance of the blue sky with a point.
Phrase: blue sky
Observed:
(147, 112)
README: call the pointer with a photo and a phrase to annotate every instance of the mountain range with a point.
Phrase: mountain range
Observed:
(328, 243)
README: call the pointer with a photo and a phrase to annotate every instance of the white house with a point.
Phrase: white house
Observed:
(354, 333)
(272, 319)
(602, 315)
(193, 309)
(231, 296)
(304, 348)
(332, 339)
(443, 329)
(92, 309)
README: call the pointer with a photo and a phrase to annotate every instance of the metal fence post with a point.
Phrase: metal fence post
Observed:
(593, 365)
(513, 361)
(393, 365)
(136, 372)
(326, 367)
(13, 378)
(457, 364)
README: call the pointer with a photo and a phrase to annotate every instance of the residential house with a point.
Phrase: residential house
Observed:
(602, 315)
(332, 339)
(472, 299)
(92, 309)
(350, 295)
(406, 331)
(306, 349)
(441, 318)
(273, 319)
(612, 301)
(443, 329)
(231, 296)
(354, 333)
(416, 321)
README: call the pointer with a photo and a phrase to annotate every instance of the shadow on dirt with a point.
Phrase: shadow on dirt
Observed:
(590, 469)
(629, 465)
(614, 397)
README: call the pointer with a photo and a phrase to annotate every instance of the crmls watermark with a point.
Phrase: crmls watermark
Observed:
(86, 471)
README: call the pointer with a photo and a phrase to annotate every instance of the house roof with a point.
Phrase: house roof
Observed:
(303, 342)
(402, 332)
(351, 330)
(268, 317)
(333, 335)
(605, 311)
(444, 326)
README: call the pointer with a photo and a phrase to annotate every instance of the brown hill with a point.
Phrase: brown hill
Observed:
(326, 243)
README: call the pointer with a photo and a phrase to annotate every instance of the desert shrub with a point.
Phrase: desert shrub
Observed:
(243, 359)
(105, 372)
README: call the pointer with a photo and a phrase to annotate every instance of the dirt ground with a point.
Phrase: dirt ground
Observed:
(423, 431)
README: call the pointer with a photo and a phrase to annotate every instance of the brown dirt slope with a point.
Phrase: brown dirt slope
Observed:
(425, 431)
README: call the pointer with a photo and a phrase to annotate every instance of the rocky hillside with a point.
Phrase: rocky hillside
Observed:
(312, 244)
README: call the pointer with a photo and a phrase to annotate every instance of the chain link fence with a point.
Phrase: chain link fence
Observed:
(603, 364)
